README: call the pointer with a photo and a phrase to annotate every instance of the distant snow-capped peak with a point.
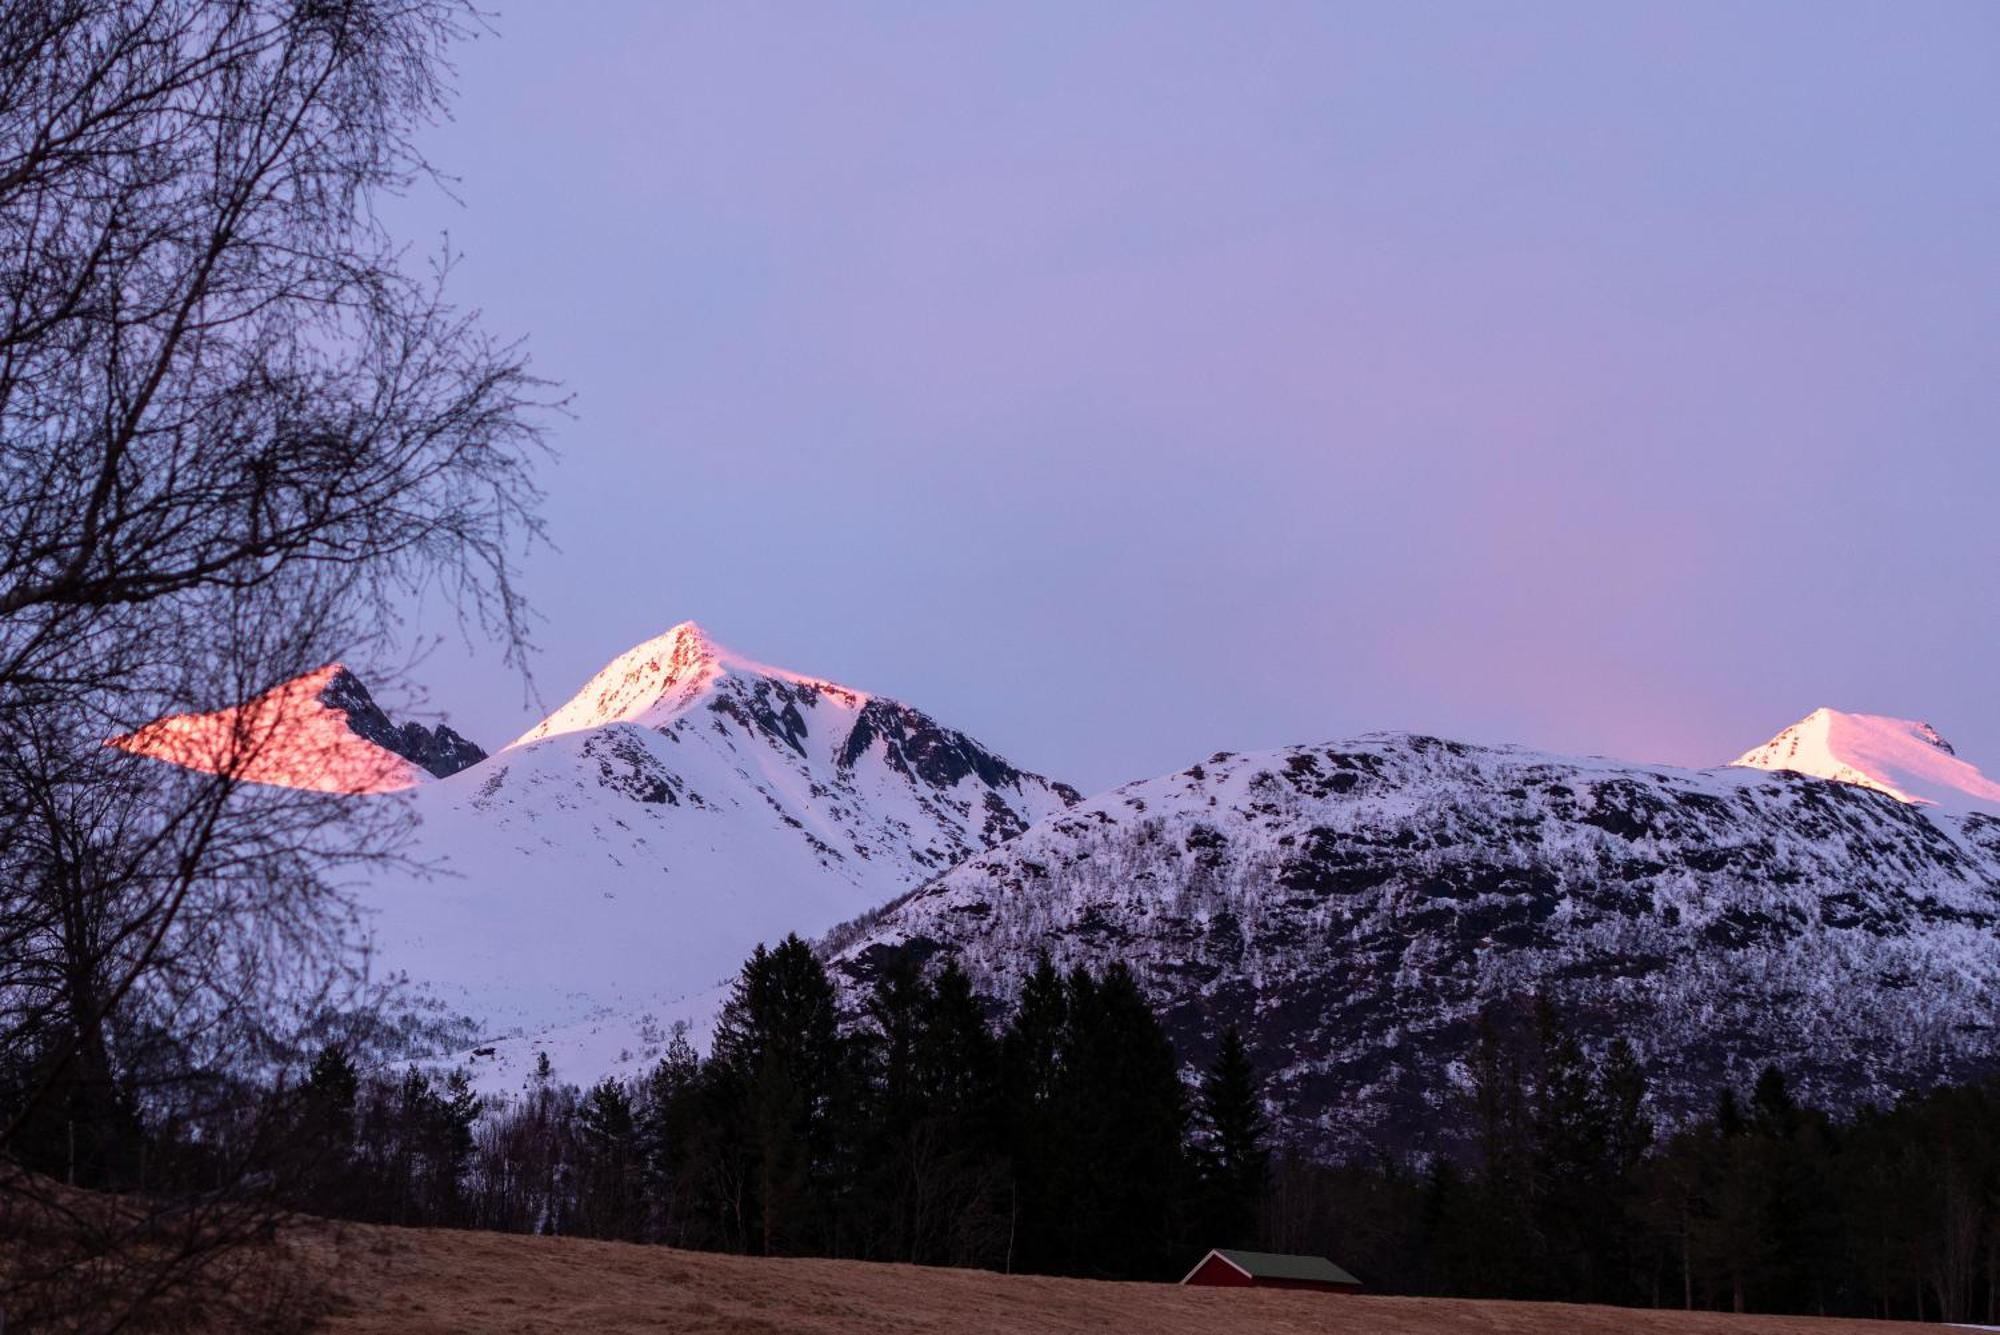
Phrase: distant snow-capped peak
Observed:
(652, 682)
(321, 731)
(1904, 758)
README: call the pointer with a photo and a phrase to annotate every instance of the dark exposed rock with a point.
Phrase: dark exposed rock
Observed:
(917, 745)
(438, 750)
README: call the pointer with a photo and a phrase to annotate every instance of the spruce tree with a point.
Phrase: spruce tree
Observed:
(1033, 1044)
(607, 1131)
(327, 1101)
(957, 1058)
(669, 1128)
(778, 1035)
(1037, 1137)
(898, 1008)
(1122, 1093)
(1500, 1226)
(1233, 1162)
(325, 1138)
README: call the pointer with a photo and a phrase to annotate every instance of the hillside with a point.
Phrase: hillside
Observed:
(1355, 906)
(685, 804)
(427, 1282)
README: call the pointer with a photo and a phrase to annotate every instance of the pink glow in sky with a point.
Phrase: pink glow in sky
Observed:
(1125, 383)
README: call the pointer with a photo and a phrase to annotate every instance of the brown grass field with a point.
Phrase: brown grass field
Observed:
(419, 1281)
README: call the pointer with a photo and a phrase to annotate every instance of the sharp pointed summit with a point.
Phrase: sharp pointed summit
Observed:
(1906, 759)
(655, 680)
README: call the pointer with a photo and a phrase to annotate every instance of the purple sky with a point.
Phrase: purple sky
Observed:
(1123, 383)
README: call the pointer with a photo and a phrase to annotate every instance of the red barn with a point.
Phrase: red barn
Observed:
(1270, 1270)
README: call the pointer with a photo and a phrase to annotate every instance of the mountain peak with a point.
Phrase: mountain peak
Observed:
(657, 679)
(1904, 758)
(301, 733)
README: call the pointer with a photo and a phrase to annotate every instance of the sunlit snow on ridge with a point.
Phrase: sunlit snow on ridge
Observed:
(288, 737)
(652, 682)
(1901, 757)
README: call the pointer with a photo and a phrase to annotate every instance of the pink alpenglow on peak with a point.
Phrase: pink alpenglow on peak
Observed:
(291, 736)
(653, 682)
(1900, 757)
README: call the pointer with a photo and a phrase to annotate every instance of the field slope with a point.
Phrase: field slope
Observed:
(417, 1281)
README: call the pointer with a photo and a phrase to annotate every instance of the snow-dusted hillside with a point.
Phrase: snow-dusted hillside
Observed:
(1355, 905)
(1901, 757)
(686, 804)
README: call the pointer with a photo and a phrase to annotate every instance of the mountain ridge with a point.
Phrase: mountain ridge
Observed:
(321, 731)
(599, 877)
(1904, 758)
(1358, 906)
(684, 804)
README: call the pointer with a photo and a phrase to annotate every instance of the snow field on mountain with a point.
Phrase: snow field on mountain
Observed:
(1901, 757)
(685, 806)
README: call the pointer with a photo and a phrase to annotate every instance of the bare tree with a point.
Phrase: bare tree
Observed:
(237, 432)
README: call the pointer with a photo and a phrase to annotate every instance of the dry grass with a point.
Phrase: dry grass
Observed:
(413, 1282)
(75, 1260)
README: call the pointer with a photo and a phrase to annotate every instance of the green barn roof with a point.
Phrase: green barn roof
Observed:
(1277, 1265)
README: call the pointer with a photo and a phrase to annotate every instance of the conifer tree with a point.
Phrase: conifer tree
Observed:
(1622, 1089)
(778, 1037)
(957, 1057)
(1233, 1162)
(897, 1010)
(326, 1131)
(327, 1100)
(607, 1132)
(1036, 1137)
(1122, 1094)
(1033, 1045)
(1501, 1227)
(669, 1129)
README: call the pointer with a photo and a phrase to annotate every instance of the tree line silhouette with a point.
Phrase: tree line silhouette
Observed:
(1570, 1191)
(1062, 1137)
(1062, 1140)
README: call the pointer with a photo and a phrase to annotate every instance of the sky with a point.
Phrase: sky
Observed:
(1122, 383)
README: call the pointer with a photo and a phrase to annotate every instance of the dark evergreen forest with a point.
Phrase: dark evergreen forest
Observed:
(1064, 1139)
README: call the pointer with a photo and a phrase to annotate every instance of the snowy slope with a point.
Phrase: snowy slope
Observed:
(1354, 906)
(1905, 759)
(686, 804)
(321, 731)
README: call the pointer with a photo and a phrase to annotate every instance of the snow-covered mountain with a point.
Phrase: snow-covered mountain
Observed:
(1830, 901)
(1354, 906)
(321, 731)
(686, 804)
(1903, 758)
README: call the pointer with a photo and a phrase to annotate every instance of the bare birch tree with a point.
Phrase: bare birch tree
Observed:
(238, 430)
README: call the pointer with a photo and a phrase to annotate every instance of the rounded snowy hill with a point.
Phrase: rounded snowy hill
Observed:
(686, 804)
(1356, 906)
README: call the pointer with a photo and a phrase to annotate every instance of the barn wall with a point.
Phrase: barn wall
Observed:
(1218, 1273)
